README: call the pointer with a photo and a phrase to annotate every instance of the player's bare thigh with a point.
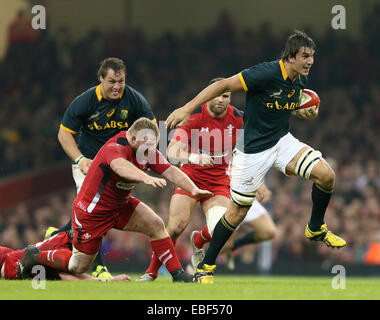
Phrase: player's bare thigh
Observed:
(291, 167)
(181, 207)
(322, 174)
(145, 220)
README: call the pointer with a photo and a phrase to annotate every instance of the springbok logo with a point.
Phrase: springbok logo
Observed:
(124, 114)
(276, 95)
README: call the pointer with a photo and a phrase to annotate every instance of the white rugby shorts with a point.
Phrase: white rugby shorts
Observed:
(248, 170)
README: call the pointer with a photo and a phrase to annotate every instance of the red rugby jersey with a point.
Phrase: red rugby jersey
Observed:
(213, 136)
(60, 240)
(105, 191)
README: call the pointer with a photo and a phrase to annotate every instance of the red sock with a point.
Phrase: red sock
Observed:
(202, 237)
(155, 264)
(164, 251)
(57, 259)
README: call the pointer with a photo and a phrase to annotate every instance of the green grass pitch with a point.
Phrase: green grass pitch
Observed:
(236, 287)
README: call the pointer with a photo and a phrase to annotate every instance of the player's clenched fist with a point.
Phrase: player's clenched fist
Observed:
(84, 165)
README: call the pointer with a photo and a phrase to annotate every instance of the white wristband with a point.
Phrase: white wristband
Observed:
(194, 158)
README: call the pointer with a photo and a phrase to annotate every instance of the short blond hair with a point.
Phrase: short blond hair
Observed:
(144, 123)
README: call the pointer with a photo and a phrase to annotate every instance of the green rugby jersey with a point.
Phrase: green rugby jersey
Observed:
(270, 98)
(98, 119)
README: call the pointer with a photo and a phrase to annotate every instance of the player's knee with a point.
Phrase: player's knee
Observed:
(326, 179)
(268, 233)
(157, 227)
(81, 269)
(176, 229)
(236, 216)
(77, 267)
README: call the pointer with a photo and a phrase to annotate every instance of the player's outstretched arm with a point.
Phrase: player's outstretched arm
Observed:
(182, 180)
(86, 277)
(129, 171)
(179, 116)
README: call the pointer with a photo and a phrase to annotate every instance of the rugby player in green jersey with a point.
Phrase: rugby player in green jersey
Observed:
(97, 115)
(272, 91)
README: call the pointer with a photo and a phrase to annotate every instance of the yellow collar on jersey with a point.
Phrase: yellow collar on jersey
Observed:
(99, 94)
(283, 71)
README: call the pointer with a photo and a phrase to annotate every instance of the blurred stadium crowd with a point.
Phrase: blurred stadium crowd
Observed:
(41, 74)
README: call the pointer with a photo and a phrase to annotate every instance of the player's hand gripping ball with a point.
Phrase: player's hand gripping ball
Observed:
(308, 105)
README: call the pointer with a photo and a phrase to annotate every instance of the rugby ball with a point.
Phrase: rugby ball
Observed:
(309, 100)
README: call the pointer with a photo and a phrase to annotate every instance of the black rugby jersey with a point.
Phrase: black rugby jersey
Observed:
(270, 98)
(98, 119)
